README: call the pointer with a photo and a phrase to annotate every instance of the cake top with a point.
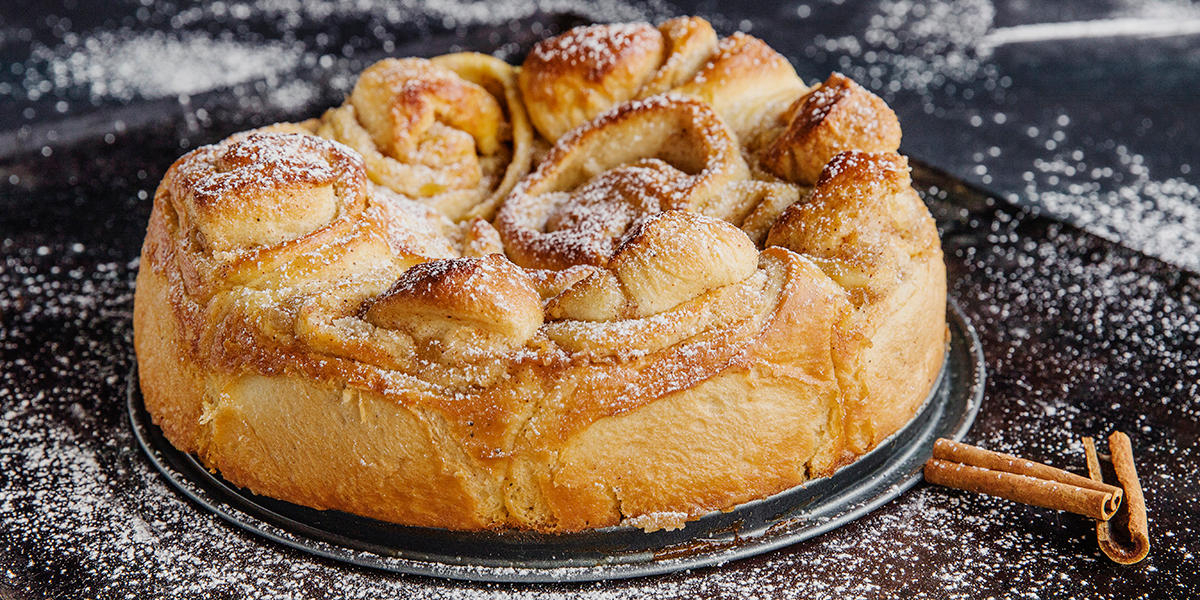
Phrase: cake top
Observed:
(613, 198)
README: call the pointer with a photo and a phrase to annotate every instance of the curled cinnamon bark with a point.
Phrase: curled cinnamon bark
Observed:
(1126, 537)
(967, 467)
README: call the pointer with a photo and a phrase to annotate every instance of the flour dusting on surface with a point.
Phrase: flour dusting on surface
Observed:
(1076, 335)
(157, 64)
(1081, 338)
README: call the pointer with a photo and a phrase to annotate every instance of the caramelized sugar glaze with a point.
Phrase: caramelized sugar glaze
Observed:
(646, 275)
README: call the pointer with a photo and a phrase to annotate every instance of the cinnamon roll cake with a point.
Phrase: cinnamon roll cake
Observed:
(648, 274)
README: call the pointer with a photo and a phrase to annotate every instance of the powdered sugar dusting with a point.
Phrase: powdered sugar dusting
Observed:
(127, 66)
(915, 46)
(1080, 338)
(184, 58)
(267, 160)
(599, 47)
(1113, 194)
(583, 225)
(957, 60)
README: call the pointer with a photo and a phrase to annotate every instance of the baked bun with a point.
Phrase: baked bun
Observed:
(713, 286)
(569, 79)
(838, 115)
(869, 231)
(450, 132)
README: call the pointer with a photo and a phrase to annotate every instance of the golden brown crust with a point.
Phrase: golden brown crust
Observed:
(262, 189)
(173, 388)
(837, 116)
(746, 82)
(641, 158)
(489, 294)
(318, 329)
(569, 79)
(690, 41)
(870, 232)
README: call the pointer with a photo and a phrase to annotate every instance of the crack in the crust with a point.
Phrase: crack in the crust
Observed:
(535, 408)
(617, 502)
(842, 371)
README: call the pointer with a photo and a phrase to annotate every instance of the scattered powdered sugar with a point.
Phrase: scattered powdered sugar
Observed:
(947, 46)
(292, 96)
(1080, 338)
(151, 65)
(1121, 202)
(188, 59)
(915, 46)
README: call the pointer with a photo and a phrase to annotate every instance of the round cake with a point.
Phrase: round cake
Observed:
(646, 275)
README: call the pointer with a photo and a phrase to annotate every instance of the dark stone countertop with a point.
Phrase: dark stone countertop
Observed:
(1081, 111)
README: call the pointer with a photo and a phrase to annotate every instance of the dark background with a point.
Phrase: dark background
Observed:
(1085, 112)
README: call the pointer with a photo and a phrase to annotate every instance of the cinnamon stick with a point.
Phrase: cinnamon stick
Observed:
(1126, 537)
(971, 468)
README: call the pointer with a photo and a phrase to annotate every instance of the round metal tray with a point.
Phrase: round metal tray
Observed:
(760, 526)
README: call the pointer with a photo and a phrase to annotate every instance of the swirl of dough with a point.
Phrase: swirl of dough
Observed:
(263, 189)
(569, 79)
(746, 82)
(642, 158)
(469, 303)
(572, 78)
(690, 41)
(500, 79)
(437, 130)
(839, 115)
(863, 223)
(249, 204)
(665, 259)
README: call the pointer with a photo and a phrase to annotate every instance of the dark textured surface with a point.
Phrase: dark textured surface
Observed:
(1082, 336)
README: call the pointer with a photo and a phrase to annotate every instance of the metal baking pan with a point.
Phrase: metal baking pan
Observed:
(618, 552)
